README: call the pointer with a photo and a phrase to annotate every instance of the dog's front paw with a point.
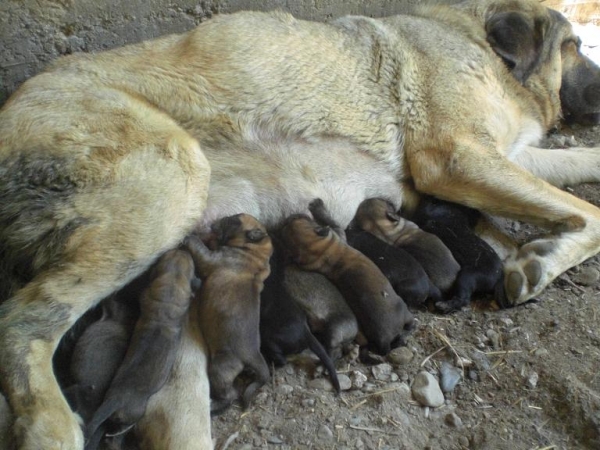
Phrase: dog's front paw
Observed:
(527, 275)
(49, 429)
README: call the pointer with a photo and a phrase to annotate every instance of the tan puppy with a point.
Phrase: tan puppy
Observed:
(229, 304)
(377, 216)
(106, 159)
(381, 314)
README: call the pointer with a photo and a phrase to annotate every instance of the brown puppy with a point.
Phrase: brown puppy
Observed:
(229, 310)
(378, 217)
(381, 314)
(329, 317)
(152, 351)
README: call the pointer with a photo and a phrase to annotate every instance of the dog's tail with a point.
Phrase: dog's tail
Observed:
(261, 372)
(318, 349)
(95, 429)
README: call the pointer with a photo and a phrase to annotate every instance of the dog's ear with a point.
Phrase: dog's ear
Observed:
(517, 39)
(255, 235)
(322, 231)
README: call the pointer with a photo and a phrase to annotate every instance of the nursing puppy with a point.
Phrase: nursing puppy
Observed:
(377, 216)
(283, 324)
(481, 268)
(329, 317)
(97, 356)
(229, 304)
(152, 350)
(382, 315)
(6, 424)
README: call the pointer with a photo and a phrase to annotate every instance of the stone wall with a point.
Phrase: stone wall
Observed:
(34, 32)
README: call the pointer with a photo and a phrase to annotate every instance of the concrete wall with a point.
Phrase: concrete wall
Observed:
(34, 32)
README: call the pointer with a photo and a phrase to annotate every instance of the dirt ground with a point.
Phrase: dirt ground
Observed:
(530, 376)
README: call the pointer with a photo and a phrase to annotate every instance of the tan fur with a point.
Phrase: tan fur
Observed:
(105, 159)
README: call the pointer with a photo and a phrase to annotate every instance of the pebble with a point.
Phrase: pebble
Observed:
(400, 356)
(541, 352)
(463, 441)
(358, 379)
(324, 432)
(426, 390)
(587, 277)
(494, 338)
(481, 360)
(473, 375)
(274, 440)
(532, 380)
(285, 389)
(345, 383)
(450, 376)
(453, 420)
(459, 361)
(308, 402)
(507, 321)
(382, 372)
(321, 384)
(572, 142)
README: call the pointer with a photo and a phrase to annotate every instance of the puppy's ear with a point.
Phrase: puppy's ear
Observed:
(322, 231)
(517, 39)
(255, 235)
(393, 217)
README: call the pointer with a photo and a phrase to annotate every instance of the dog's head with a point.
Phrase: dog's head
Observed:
(306, 241)
(379, 217)
(541, 50)
(242, 231)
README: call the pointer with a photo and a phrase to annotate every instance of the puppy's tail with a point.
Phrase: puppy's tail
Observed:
(262, 374)
(318, 349)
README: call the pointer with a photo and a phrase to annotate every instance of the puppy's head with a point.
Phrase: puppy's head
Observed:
(242, 231)
(306, 241)
(378, 217)
(540, 48)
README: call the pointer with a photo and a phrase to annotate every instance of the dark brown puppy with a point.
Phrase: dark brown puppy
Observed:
(97, 356)
(229, 304)
(481, 268)
(378, 217)
(152, 351)
(329, 317)
(283, 324)
(382, 315)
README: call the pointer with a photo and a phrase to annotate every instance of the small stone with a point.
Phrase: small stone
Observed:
(494, 338)
(274, 440)
(426, 390)
(540, 352)
(382, 372)
(356, 420)
(345, 383)
(507, 322)
(463, 441)
(459, 361)
(324, 432)
(358, 379)
(532, 380)
(453, 420)
(308, 402)
(473, 375)
(572, 142)
(400, 356)
(285, 389)
(394, 377)
(587, 277)
(320, 384)
(449, 377)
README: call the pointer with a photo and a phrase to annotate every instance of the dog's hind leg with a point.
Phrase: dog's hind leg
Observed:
(562, 167)
(152, 199)
(485, 180)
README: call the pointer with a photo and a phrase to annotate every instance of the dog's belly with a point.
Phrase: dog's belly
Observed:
(271, 178)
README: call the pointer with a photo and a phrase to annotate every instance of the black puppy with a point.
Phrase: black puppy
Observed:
(406, 275)
(283, 324)
(152, 350)
(481, 268)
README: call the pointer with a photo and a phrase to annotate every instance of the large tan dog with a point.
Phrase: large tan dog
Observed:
(105, 160)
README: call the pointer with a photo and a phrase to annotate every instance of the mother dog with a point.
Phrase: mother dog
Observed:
(106, 160)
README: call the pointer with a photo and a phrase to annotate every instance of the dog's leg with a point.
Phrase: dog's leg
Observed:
(486, 180)
(562, 167)
(178, 416)
(152, 201)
